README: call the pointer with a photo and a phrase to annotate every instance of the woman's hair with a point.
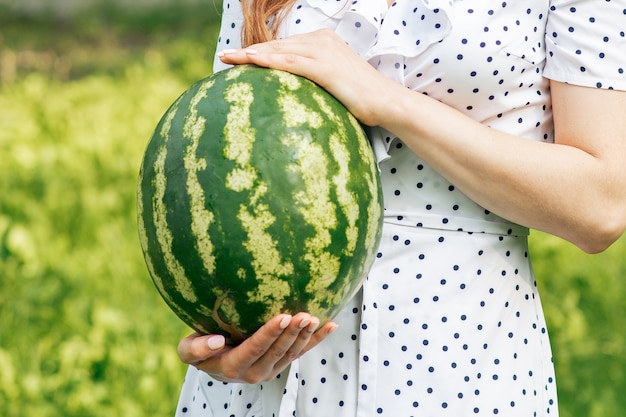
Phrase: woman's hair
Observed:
(262, 18)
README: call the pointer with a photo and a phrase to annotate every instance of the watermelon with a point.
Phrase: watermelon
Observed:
(258, 194)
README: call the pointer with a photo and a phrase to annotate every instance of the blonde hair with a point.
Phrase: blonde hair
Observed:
(262, 19)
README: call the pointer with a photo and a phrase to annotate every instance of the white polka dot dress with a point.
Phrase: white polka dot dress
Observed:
(449, 321)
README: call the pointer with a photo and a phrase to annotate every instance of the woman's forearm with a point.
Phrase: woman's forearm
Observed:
(575, 189)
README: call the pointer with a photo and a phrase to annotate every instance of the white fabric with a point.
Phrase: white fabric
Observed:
(449, 321)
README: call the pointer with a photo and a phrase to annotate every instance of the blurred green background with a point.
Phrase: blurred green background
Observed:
(82, 330)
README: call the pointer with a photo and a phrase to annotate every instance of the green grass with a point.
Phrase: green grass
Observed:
(583, 298)
(83, 332)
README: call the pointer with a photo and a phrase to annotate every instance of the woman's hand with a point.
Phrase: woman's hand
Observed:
(260, 357)
(323, 57)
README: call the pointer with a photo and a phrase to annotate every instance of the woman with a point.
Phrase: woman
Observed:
(488, 118)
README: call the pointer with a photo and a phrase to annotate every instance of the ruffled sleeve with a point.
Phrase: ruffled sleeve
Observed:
(372, 28)
(586, 43)
(356, 22)
(411, 26)
(380, 34)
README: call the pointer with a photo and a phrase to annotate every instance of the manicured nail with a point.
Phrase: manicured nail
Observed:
(333, 328)
(304, 323)
(222, 54)
(285, 322)
(216, 342)
(250, 51)
(315, 322)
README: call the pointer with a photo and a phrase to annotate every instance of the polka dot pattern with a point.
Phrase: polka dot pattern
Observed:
(586, 42)
(449, 321)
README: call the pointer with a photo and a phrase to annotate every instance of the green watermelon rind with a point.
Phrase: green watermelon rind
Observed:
(297, 203)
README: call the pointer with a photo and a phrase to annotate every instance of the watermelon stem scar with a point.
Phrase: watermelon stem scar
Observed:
(236, 336)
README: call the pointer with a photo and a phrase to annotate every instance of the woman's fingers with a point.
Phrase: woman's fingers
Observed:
(260, 357)
(256, 346)
(264, 56)
(305, 54)
(257, 357)
(197, 348)
(319, 336)
(289, 346)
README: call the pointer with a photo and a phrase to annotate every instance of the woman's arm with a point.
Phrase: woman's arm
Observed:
(575, 189)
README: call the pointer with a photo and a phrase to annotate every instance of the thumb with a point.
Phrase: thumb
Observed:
(197, 348)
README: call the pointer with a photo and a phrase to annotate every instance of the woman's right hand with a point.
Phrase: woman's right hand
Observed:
(260, 357)
(323, 57)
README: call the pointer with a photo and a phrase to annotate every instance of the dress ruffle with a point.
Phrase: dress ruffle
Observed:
(374, 30)
(377, 24)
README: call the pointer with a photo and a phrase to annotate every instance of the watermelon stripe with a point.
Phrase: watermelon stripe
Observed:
(375, 206)
(288, 81)
(346, 199)
(201, 218)
(255, 217)
(338, 143)
(143, 239)
(143, 216)
(164, 235)
(296, 113)
(239, 137)
(314, 201)
(267, 262)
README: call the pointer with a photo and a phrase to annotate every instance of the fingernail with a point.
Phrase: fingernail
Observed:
(226, 52)
(315, 322)
(285, 322)
(333, 328)
(304, 323)
(216, 342)
(251, 51)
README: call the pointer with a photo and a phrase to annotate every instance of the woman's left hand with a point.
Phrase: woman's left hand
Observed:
(323, 57)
